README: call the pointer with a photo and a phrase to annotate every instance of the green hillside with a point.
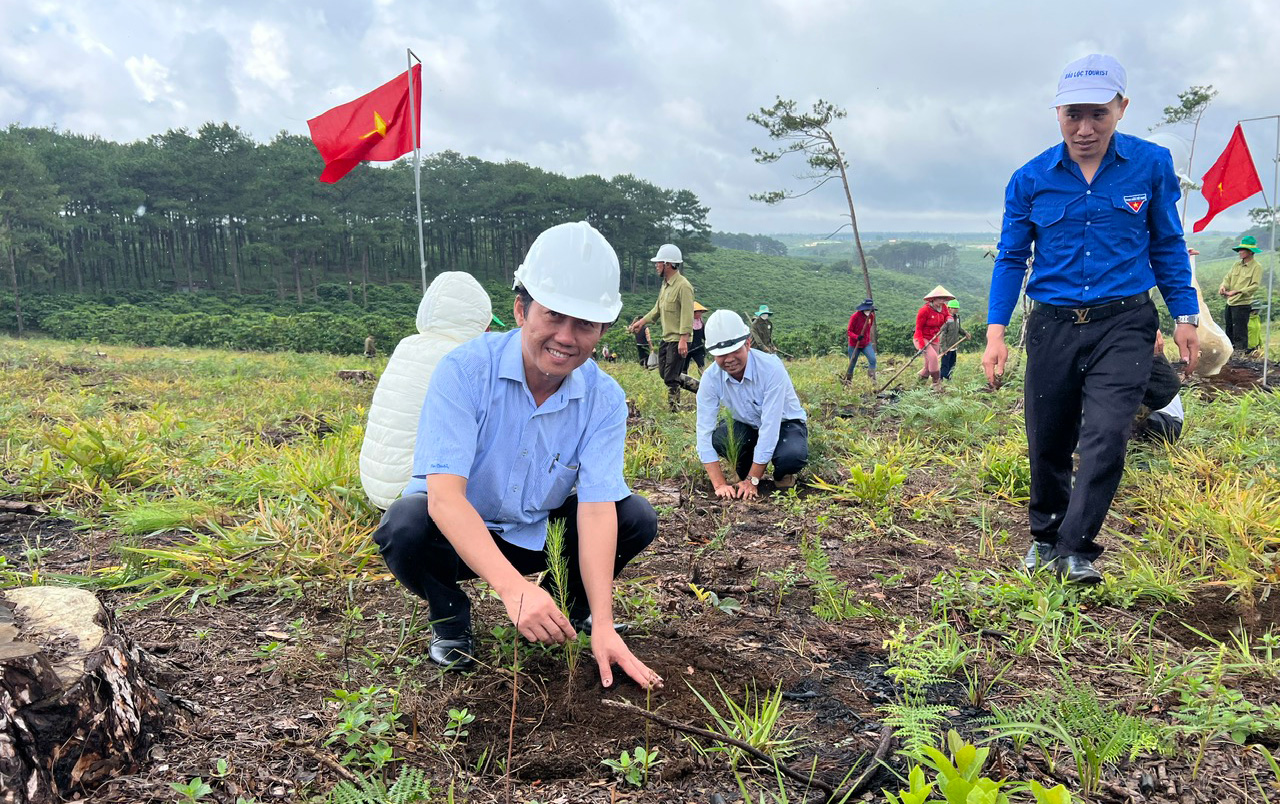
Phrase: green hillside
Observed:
(812, 299)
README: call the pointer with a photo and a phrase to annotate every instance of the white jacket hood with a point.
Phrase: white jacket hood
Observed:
(454, 305)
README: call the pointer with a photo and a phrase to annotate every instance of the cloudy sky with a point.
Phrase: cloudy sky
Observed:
(945, 98)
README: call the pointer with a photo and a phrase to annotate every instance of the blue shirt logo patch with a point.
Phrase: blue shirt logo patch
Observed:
(1136, 202)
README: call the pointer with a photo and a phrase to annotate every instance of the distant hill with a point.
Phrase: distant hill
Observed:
(811, 299)
(809, 293)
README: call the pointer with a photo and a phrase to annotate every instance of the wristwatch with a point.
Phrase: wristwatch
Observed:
(1193, 320)
(755, 481)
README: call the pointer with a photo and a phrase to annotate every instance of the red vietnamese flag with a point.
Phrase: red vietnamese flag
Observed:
(1232, 179)
(372, 128)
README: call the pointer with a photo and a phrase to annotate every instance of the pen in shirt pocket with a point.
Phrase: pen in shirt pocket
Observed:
(554, 458)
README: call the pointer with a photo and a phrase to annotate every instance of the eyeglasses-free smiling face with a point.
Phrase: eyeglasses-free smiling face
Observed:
(554, 344)
(735, 363)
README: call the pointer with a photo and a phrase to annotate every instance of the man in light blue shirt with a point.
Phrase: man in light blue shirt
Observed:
(768, 424)
(519, 428)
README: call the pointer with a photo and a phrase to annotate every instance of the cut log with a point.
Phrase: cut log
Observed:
(356, 375)
(75, 709)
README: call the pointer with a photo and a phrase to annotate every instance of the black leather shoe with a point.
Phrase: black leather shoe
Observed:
(584, 626)
(452, 653)
(1039, 556)
(1076, 569)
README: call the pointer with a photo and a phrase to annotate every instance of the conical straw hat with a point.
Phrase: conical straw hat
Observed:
(939, 291)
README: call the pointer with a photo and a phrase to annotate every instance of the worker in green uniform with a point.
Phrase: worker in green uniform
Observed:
(674, 309)
(762, 331)
(1239, 287)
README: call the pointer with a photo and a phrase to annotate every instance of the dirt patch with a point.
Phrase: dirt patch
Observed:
(1219, 615)
(1240, 376)
(303, 425)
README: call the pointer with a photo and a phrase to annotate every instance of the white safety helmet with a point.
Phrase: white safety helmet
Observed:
(726, 332)
(1180, 150)
(573, 270)
(669, 253)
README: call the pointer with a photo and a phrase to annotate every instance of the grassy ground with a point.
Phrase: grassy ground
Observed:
(213, 499)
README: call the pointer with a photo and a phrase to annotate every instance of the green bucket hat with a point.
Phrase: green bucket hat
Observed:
(764, 308)
(953, 304)
(1250, 243)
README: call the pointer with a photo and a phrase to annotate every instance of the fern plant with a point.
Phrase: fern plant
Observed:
(833, 601)
(917, 662)
(928, 657)
(1097, 734)
(410, 787)
(915, 724)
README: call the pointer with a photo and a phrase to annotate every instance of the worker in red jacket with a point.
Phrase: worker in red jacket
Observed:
(862, 325)
(929, 323)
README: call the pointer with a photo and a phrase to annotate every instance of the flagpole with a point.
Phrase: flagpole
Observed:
(1271, 269)
(417, 166)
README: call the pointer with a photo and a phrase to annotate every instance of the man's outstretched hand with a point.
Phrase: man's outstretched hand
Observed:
(609, 649)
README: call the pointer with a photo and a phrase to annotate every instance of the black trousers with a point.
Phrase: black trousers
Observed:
(670, 365)
(789, 456)
(642, 351)
(948, 365)
(1160, 427)
(1084, 383)
(423, 559)
(1236, 324)
(697, 354)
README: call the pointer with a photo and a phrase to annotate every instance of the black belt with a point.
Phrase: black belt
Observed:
(1084, 315)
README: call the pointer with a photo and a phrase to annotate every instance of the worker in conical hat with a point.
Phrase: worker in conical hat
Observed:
(929, 321)
(698, 345)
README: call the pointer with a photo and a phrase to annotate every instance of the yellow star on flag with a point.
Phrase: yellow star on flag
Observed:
(379, 127)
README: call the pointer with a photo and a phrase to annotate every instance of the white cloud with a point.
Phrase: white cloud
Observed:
(149, 76)
(945, 100)
(268, 52)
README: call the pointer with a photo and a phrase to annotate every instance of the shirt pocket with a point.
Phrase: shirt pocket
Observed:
(1051, 228)
(1126, 227)
(555, 485)
(670, 304)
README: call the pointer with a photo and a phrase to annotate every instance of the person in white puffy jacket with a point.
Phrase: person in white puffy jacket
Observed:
(454, 310)
(520, 428)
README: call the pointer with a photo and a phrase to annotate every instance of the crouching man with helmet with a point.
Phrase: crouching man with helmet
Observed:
(767, 425)
(519, 428)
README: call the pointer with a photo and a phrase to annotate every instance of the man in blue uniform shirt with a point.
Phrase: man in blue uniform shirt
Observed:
(1099, 208)
(767, 420)
(518, 428)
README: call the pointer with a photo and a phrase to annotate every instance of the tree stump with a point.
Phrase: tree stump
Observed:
(75, 710)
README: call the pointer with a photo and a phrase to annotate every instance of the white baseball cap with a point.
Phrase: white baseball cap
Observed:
(1096, 78)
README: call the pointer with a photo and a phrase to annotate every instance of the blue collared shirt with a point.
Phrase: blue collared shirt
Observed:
(1094, 243)
(521, 461)
(763, 398)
